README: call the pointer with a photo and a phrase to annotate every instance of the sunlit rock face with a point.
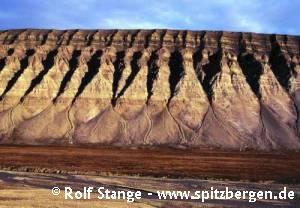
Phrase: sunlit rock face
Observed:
(150, 88)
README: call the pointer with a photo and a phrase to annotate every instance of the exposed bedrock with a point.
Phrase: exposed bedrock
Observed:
(150, 88)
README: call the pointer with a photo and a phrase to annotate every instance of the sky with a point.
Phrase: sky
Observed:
(261, 16)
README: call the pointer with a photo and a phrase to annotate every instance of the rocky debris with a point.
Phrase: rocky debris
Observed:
(150, 87)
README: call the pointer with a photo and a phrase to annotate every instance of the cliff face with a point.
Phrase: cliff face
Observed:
(150, 87)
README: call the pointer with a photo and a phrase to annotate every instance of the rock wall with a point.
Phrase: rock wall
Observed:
(150, 87)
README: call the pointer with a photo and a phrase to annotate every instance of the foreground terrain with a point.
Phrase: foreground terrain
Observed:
(34, 190)
(28, 173)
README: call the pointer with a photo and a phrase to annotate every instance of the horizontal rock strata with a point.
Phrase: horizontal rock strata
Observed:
(150, 88)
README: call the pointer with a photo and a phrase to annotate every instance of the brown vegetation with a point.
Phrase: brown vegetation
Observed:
(283, 167)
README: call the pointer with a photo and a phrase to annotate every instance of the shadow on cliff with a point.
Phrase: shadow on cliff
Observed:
(279, 64)
(73, 64)
(3, 60)
(119, 67)
(93, 68)
(152, 73)
(23, 65)
(135, 67)
(48, 63)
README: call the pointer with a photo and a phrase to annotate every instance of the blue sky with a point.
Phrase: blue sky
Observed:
(263, 16)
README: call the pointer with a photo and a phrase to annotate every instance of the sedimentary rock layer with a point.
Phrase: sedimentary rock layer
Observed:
(150, 87)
